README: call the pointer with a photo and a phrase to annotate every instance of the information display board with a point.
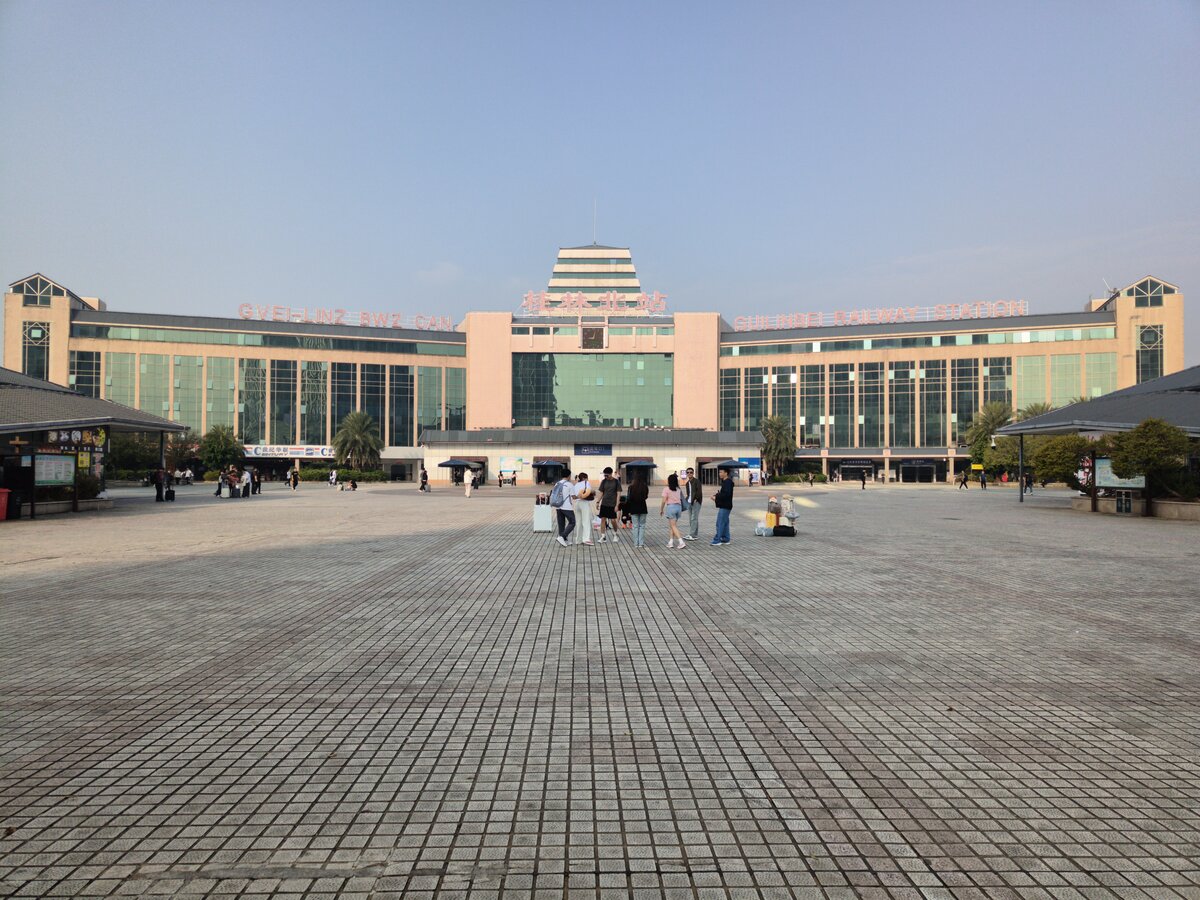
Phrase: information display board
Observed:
(53, 469)
(1106, 479)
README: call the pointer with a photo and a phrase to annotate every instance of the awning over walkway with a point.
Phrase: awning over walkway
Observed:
(30, 404)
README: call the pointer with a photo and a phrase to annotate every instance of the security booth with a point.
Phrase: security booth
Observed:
(548, 469)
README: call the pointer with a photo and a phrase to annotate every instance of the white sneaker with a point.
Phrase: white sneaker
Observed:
(689, 537)
(615, 540)
(561, 540)
(671, 544)
(680, 545)
(603, 539)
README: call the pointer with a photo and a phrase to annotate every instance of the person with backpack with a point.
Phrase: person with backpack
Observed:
(610, 490)
(584, 495)
(562, 501)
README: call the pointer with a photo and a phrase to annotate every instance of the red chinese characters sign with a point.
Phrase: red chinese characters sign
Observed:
(327, 316)
(545, 303)
(884, 315)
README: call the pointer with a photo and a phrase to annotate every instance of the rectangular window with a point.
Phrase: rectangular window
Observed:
(374, 394)
(456, 399)
(400, 406)
(35, 350)
(997, 380)
(1149, 353)
(1031, 380)
(933, 404)
(120, 378)
(870, 404)
(612, 390)
(85, 372)
(220, 400)
(154, 386)
(731, 399)
(755, 404)
(283, 401)
(429, 398)
(783, 391)
(964, 397)
(1066, 384)
(252, 401)
(1101, 374)
(811, 383)
(343, 391)
(841, 405)
(314, 391)
(902, 413)
(188, 407)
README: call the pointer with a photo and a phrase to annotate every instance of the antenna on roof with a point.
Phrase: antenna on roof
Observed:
(1106, 284)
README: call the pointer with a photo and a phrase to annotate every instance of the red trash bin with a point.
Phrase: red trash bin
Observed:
(4, 492)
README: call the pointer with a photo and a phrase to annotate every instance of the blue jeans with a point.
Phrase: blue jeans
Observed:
(639, 529)
(722, 534)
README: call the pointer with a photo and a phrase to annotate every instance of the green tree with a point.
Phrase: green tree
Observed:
(357, 443)
(1058, 458)
(220, 449)
(181, 449)
(779, 443)
(136, 452)
(1033, 409)
(986, 423)
(1155, 449)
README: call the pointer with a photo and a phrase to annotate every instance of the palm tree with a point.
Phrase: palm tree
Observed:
(1033, 409)
(987, 422)
(779, 443)
(357, 443)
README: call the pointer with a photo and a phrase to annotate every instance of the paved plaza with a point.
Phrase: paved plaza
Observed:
(927, 693)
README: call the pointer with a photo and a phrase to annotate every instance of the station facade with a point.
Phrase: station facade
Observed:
(593, 371)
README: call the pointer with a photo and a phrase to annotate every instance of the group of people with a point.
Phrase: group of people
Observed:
(575, 502)
(239, 484)
(963, 481)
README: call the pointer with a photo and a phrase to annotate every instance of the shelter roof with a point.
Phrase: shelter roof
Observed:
(30, 404)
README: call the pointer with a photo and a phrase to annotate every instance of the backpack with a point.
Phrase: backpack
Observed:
(558, 495)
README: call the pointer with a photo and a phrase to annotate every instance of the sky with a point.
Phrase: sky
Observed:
(758, 158)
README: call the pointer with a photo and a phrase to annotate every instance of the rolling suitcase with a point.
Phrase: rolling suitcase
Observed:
(169, 495)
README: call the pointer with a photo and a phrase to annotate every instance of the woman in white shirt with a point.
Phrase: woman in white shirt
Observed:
(584, 495)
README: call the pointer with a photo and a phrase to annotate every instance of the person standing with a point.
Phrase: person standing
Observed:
(982, 480)
(584, 494)
(635, 505)
(723, 501)
(246, 481)
(468, 482)
(159, 480)
(424, 488)
(610, 490)
(294, 478)
(695, 496)
(562, 499)
(672, 508)
(1028, 487)
(333, 477)
(862, 476)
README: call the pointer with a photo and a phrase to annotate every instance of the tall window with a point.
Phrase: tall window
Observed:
(1149, 292)
(314, 381)
(1065, 379)
(870, 404)
(35, 350)
(400, 407)
(456, 399)
(933, 403)
(902, 396)
(120, 378)
(1031, 380)
(783, 386)
(429, 398)
(189, 392)
(1101, 374)
(283, 401)
(731, 399)
(252, 401)
(964, 396)
(997, 380)
(343, 387)
(1149, 353)
(221, 386)
(85, 372)
(154, 385)
(374, 394)
(37, 291)
(811, 382)
(756, 397)
(841, 405)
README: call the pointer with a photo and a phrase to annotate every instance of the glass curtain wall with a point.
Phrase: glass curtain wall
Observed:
(811, 383)
(997, 380)
(1031, 380)
(1101, 374)
(902, 413)
(456, 399)
(756, 397)
(783, 386)
(964, 397)
(154, 384)
(400, 407)
(314, 392)
(841, 405)
(35, 350)
(283, 401)
(1066, 382)
(188, 407)
(593, 389)
(120, 378)
(429, 398)
(85, 372)
(933, 403)
(731, 399)
(343, 387)
(221, 386)
(374, 394)
(870, 404)
(252, 401)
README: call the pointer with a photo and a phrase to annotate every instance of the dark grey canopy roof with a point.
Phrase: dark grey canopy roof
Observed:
(30, 404)
(1172, 398)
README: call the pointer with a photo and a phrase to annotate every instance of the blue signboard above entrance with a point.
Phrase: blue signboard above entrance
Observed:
(593, 449)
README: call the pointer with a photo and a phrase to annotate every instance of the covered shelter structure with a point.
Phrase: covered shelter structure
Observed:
(1174, 399)
(50, 435)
